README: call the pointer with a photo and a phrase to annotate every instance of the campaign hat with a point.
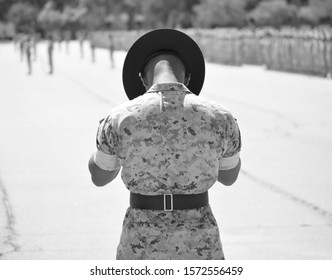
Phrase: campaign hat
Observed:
(162, 41)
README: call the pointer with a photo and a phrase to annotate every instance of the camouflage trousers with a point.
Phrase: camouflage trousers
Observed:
(180, 234)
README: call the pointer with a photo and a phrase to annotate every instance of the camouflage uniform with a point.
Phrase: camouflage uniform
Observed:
(169, 141)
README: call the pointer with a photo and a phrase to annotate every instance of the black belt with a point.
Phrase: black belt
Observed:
(169, 202)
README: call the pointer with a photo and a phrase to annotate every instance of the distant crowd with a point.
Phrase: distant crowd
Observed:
(27, 45)
(300, 50)
(303, 50)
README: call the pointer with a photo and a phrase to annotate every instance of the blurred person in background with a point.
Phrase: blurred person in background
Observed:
(81, 39)
(92, 47)
(67, 37)
(50, 50)
(111, 49)
(28, 49)
(21, 41)
(35, 40)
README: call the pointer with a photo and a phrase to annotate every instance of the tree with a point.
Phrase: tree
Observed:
(317, 12)
(220, 13)
(94, 16)
(72, 16)
(23, 16)
(274, 13)
(161, 13)
(4, 7)
(251, 4)
(50, 18)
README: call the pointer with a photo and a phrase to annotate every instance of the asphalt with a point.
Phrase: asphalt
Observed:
(280, 207)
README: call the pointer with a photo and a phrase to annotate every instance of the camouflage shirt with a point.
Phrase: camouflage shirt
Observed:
(169, 141)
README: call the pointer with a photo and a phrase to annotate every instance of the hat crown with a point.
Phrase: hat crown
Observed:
(157, 41)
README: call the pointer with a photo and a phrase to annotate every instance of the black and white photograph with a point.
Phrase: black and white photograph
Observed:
(166, 130)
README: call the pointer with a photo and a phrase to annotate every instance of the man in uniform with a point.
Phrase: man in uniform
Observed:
(172, 146)
(111, 49)
(28, 48)
(92, 47)
(50, 49)
(81, 39)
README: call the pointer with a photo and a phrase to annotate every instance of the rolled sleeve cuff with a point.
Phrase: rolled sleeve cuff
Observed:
(106, 161)
(229, 162)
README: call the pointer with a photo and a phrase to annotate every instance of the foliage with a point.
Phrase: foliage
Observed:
(318, 11)
(274, 13)
(4, 8)
(23, 15)
(94, 15)
(216, 13)
(171, 13)
(72, 16)
(137, 14)
(50, 18)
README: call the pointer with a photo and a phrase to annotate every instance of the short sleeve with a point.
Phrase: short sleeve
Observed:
(107, 142)
(231, 155)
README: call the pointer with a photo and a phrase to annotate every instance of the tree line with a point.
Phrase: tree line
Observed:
(46, 16)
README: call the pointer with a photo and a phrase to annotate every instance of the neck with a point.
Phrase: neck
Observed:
(165, 77)
(164, 72)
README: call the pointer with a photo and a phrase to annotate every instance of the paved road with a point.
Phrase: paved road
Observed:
(280, 208)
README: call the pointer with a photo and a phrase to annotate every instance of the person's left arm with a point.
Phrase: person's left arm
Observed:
(230, 162)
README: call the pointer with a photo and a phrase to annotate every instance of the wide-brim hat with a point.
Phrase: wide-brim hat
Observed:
(162, 40)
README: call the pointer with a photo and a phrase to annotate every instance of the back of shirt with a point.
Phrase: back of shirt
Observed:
(168, 141)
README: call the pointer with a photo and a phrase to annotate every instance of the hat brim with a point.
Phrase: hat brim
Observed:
(161, 40)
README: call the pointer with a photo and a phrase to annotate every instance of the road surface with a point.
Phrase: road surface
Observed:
(280, 207)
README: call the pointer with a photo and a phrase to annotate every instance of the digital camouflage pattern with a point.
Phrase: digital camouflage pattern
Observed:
(180, 234)
(169, 141)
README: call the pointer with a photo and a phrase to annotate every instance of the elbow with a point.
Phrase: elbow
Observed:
(227, 182)
(229, 177)
(97, 182)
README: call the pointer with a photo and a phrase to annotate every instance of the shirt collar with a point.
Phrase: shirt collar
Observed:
(169, 87)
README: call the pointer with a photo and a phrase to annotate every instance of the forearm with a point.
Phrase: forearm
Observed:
(229, 177)
(101, 177)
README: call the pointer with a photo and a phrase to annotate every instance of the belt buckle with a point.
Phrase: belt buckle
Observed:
(165, 200)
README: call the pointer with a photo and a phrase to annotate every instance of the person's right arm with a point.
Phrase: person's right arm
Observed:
(104, 163)
(228, 177)
(99, 176)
